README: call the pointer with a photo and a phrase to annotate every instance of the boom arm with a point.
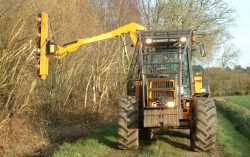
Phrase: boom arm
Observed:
(127, 29)
(47, 48)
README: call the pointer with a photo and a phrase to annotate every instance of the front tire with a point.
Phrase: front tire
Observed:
(203, 124)
(128, 132)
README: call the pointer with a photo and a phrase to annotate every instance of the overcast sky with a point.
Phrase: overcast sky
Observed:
(242, 31)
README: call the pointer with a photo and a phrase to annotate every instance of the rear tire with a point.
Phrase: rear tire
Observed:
(203, 124)
(128, 132)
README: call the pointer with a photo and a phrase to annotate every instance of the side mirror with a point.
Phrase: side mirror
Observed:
(202, 50)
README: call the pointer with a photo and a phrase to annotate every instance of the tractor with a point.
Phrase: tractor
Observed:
(162, 90)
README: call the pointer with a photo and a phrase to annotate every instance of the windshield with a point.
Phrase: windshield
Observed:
(157, 64)
(164, 63)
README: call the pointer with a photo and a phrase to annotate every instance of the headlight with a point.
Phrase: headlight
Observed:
(202, 90)
(149, 41)
(183, 39)
(170, 104)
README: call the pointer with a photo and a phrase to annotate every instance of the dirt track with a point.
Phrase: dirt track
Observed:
(174, 143)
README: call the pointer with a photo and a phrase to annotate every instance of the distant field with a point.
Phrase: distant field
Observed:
(239, 100)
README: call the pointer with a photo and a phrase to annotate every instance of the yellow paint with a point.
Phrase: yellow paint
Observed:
(44, 61)
(150, 90)
(197, 83)
(127, 29)
(186, 114)
(52, 48)
(60, 52)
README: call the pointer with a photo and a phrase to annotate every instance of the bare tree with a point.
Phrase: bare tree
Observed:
(229, 55)
(16, 55)
(210, 19)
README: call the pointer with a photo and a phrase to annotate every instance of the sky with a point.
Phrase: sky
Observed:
(241, 31)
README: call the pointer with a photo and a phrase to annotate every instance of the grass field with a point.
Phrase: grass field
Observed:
(103, 143)
(231, 141)
(239, 100)
(237, 110)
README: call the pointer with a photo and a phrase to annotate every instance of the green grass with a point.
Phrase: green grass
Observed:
(231, 138)
(229, 141)
(240, 100)
(96, 144)
(236, 109)
(104, 143)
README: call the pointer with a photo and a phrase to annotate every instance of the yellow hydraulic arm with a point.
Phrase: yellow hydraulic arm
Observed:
(127, 29)
(47, 48)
